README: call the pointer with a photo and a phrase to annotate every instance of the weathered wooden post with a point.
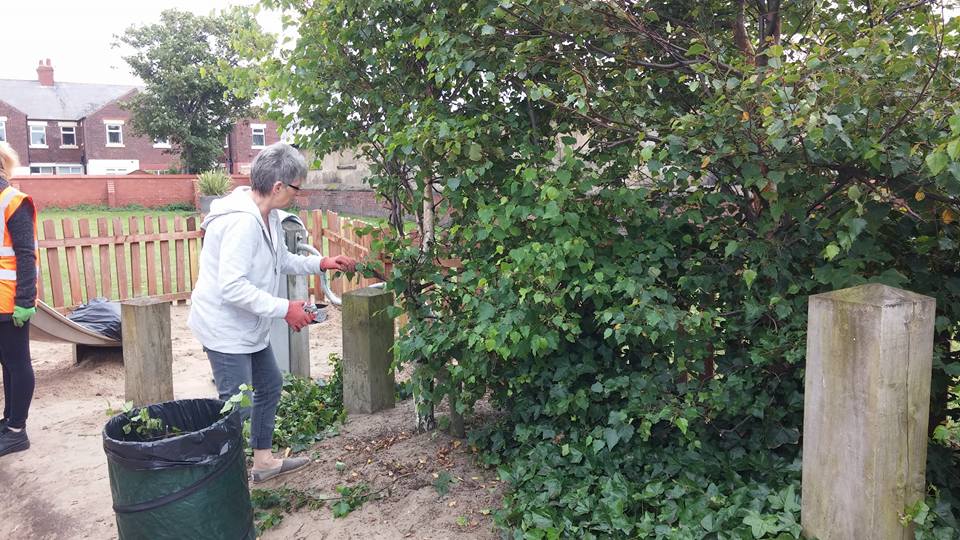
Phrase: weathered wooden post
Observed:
(368, 381)
(147, 350)
(866, 400)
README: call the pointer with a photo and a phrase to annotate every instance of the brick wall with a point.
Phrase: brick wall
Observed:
(356, 202)
(16, 126)
(135, 189)
(160, 190)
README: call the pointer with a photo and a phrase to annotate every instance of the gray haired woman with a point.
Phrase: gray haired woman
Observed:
(242, 261)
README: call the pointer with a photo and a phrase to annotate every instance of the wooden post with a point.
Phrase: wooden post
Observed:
(147, 350)
(368, 382)
(866, 400)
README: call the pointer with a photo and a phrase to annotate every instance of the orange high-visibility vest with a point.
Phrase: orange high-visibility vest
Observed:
(10, 201)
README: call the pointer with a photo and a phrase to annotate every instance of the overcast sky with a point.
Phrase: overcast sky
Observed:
(76, 34)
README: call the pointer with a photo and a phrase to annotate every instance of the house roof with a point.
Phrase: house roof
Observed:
(62, 101)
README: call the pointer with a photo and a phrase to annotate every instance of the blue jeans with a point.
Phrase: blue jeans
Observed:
(259, 370)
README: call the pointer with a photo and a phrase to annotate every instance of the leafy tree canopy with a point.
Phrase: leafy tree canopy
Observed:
(642, 195)
(184, 101)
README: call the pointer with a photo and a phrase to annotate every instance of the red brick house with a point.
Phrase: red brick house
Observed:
(81, 128)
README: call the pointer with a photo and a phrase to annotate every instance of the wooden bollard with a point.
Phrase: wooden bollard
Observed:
(368, 381)
(147, 350)
(866, 401)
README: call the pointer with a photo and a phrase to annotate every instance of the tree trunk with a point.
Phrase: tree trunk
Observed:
(423, 406)
(426, 421)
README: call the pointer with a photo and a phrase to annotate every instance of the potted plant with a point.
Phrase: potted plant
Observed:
(212, 184)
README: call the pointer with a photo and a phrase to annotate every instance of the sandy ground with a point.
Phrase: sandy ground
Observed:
(59, 489)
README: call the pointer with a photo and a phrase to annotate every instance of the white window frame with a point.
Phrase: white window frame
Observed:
(3, 128)
(69, 165)
(34, 125)
(107, 124)
(51, 166)
(162, 144)
(262, 128)
(71, 126)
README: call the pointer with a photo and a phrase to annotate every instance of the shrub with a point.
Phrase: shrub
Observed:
(308, 410)
(641, 202)
(215, 182)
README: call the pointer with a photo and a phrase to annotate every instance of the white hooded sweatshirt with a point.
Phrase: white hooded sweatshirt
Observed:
(235, 297)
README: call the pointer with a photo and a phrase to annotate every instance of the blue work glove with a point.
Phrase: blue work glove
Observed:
(21, 315)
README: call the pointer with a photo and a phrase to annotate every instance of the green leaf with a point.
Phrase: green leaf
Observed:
(937, 161)
(476, 152)
(695, 49)
(682, 424)
(953, 149)
(731, 248)
(611, 437)
(487, 30)
(955, 124)
(749, 276)
(831, 251)
(341, 509)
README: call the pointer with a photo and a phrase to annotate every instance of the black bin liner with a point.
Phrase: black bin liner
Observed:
(99, 315)
(192, 485)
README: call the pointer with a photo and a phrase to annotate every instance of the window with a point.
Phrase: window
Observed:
(161, 143)
(114, 134)
(38, 136)
(68, 135)
(259, 135)
(3, 128)
(41, 169)
(69, 169)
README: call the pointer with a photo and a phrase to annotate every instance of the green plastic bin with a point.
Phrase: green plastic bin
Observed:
(192, 485)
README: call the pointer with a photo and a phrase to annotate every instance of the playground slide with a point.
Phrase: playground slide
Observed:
(49, 325)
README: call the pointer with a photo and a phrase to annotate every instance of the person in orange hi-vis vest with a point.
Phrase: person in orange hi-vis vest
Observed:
(18, 302)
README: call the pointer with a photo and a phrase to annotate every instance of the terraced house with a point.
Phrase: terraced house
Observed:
(80, 128)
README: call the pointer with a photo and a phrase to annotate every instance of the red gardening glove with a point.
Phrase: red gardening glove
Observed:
(296, 317)
(340, 262)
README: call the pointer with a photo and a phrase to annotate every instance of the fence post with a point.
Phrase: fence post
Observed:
(866, 401)
(368, 382)
(147, 350)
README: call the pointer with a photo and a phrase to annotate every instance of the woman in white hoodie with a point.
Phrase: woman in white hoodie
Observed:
(244, 256)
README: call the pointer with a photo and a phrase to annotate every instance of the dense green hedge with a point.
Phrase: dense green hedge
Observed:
(643, 195)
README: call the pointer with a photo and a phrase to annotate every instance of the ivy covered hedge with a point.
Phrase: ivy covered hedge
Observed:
(642, 196)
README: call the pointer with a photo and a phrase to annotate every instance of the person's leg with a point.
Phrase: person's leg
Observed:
(18, 384)
(267, 386)
(17, 373)
(6, 389)
(229, 372)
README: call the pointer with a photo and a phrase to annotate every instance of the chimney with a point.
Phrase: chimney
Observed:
(45, 73)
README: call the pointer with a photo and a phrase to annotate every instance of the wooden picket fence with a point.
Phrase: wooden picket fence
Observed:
(341, 238)
(151, 256)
